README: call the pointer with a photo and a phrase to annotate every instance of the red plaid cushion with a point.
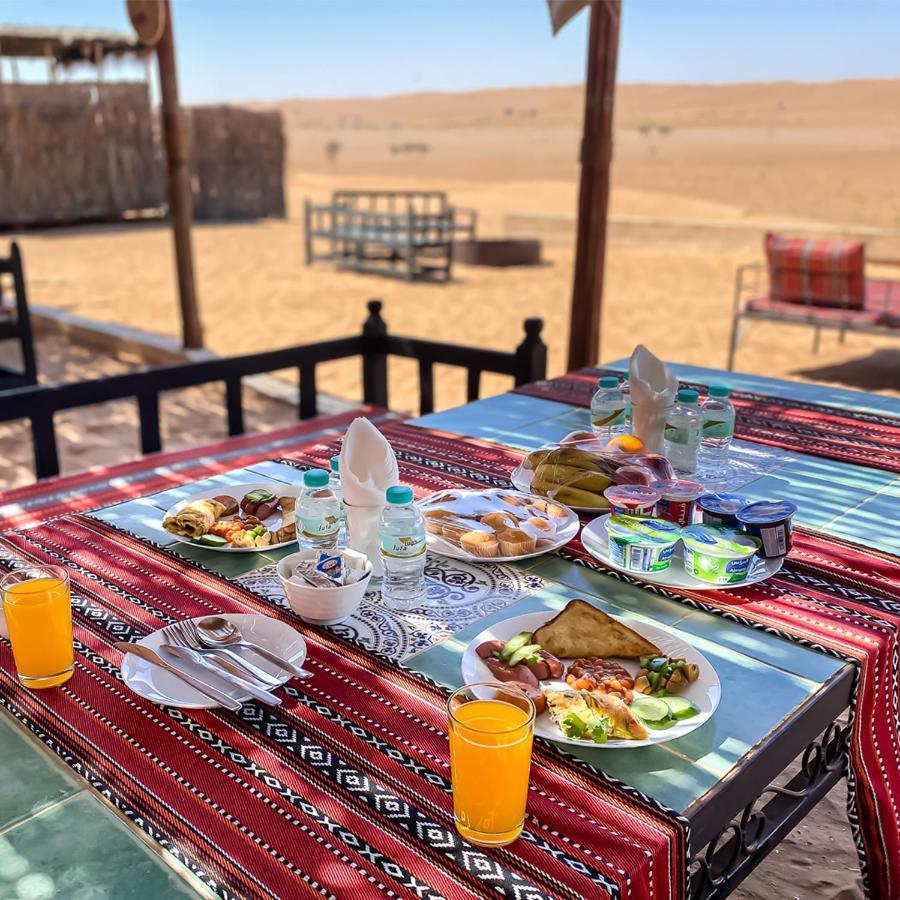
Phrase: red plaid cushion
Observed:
(822, 273)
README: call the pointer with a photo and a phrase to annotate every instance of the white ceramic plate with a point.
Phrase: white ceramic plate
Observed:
(595, 541)
(704, 693)
(273, 522)
(521, 478)
(159, 686)
(566, 528)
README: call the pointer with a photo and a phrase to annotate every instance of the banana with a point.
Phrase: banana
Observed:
(577, 459)
(534, 459)
(576, 497)
(568, 476)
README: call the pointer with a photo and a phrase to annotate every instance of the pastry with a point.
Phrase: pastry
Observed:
(516, 542)
(194, 519)
(479, 543)
(500, 521)
(435, 519)
(453, 531)
(542, 525)
(511, 499)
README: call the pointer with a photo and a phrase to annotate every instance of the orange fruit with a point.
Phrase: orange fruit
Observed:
(626, 443)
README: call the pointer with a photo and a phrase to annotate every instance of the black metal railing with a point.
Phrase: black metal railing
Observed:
(373, 345)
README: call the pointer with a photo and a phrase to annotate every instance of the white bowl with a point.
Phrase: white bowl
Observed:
(325, 605)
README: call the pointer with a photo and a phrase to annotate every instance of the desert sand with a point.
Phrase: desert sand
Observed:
(700, 172)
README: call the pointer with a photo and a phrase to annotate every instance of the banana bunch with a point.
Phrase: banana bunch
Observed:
(571, 476)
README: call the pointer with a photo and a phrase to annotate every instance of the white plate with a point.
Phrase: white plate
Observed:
(159, 686)
(596, 542)
(704, 693)
(521, 478)
(565, 530)
(273, 522)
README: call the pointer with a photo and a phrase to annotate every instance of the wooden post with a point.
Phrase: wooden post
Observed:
(178, 183)
(593, 197)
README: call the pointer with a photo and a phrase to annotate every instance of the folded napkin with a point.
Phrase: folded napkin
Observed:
(653, 388)
(368, 468)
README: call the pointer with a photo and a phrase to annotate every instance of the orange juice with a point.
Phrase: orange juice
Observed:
(490, 757)
(39, 619)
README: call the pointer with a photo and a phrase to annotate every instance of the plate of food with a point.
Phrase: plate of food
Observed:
(495, 525)
(698, 557)
(596, 681)
(248, 518)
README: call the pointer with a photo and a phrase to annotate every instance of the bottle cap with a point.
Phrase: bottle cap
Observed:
(335, 464)
(315, 478)
(609, 381)
(399, 493)
(687, 395)
(719, 390)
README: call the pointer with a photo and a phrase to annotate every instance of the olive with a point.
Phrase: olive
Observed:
(657, 663)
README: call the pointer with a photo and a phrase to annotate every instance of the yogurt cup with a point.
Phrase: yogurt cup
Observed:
(770, 521)
(641, 545)
(721, 509)
(631, 499)
(718, 554)
(677, 501)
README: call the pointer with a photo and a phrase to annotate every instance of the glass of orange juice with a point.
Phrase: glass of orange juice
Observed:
(491, 732)
(38, 609)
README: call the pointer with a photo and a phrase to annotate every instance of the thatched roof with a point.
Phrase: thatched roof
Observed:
(68, 45)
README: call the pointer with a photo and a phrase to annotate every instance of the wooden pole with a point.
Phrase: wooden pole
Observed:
(593, 197)
(178, 184)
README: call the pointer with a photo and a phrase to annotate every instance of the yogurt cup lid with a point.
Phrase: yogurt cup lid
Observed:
(727, 504)
(642, 531)
(720, 540)
(767, 512)
(673, 489)
(636, 494)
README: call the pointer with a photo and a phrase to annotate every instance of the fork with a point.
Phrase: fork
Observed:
(184, 633)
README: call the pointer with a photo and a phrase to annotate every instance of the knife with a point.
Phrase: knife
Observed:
(183, 658)
(207, 690)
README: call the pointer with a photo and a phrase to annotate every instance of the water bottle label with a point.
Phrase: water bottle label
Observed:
(402, 547)
(678, 435)
(321, 526)
(718, 428)
(609, 418)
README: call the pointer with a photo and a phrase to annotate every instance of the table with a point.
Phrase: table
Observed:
(780, 697)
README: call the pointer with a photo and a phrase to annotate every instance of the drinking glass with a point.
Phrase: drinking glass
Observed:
(491, 733)
(38, 609)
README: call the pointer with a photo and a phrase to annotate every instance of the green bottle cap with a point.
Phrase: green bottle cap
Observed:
(399, 493)
(335, 464)
(315, 478)
(719, 390)
(687, 395)
(609, 381)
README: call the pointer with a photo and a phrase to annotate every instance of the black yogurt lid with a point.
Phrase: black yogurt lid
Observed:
(766, 512)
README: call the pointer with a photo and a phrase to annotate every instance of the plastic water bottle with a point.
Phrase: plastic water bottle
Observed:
(318, 512)
(334, 482)
(625, 391)
(401, 535)
(718, 430)
(681, 438)
(608, 409)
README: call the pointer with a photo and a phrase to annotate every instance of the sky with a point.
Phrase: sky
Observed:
(233, 50)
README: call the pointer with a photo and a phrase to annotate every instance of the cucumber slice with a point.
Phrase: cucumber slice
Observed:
(523, 653)
(514, 643)
(680, 708)
(650, 709)
(212, 540)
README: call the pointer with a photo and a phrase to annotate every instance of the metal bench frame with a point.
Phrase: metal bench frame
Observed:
(38, 404)
(19, 327)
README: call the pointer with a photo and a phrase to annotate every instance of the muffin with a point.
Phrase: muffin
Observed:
(516, 542)
(480, 543)
(435, 519)
(555, 511)
(454, 529)
(500, 521)
(542, 525)
(511, 500)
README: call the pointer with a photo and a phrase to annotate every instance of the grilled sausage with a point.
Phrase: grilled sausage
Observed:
(502, 672)
(488, 648)
(556, 668)
(535, 694)
(264, 510)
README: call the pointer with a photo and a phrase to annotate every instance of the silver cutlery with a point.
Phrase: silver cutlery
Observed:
(182, 657)
(208, 690)
(185, 634)
(214, 631)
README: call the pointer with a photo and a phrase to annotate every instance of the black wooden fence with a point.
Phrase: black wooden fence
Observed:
(373, 345)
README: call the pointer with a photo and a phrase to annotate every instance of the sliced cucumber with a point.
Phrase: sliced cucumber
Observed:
(680, 708)
(650, 709)
(523, 653)
(514, 643)
(211, 540)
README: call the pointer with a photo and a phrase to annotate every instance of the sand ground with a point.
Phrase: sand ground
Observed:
(741, 158)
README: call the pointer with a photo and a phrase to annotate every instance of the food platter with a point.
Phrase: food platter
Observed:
(542, 525)
(273, 522)
(522, 478)
(704, 693)
(595, 541)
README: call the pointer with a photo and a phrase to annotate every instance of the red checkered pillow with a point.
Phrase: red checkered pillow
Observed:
(823, 273)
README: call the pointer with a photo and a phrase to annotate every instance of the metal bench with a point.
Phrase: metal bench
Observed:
(15, 321)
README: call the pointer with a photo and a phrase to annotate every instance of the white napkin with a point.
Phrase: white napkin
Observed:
(653, 388)
(368, 468)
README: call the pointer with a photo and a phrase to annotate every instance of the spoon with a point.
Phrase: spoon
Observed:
(214, 631)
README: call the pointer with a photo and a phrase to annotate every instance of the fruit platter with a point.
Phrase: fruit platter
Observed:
(596, 681)
(249, 518)
(495, 525)
(578, 470)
